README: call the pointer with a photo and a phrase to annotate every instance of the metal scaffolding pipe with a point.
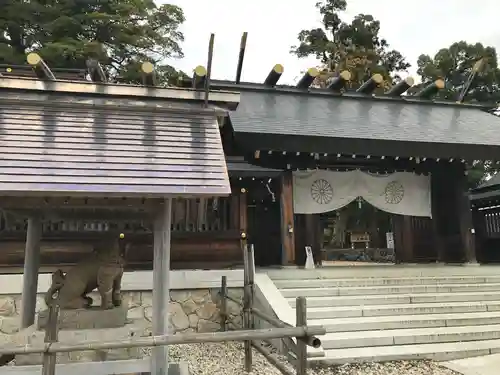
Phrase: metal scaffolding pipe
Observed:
(177, 339)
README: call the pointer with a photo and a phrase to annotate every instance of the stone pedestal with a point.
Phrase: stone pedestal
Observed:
(27, 337)
(93, 318)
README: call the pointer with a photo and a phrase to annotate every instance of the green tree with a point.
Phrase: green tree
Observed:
(355, 46)
(118, 33)
(455, 64)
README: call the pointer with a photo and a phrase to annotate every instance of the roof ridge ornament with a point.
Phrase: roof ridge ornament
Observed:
(431, 89)
(199, 77)
(274, 75)
(148, 74)
(368, 87)
(401, 87)
(308, 78)
(339, 82)
(39, 66)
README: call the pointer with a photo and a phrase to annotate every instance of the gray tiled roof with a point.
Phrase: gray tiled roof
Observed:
(493, 181)
(351, 118)
(52, 144)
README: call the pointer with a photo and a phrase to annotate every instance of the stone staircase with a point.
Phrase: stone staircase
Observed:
(439, 313)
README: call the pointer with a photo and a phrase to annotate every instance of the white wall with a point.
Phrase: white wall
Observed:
(140, 280)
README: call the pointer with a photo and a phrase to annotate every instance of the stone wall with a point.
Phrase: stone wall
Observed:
(194, 310)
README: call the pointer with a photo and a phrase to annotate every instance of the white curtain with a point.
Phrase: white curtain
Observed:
(401, 193)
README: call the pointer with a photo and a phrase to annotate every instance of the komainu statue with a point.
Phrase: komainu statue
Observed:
(103, 270)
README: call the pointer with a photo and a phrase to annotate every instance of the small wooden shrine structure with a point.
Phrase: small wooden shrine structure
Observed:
(275, 131)
(98, 151)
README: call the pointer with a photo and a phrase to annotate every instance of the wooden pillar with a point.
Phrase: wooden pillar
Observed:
(161, 285)
(409, 248)
(480, 233)
(465, 217)
(437, 203)
(403, 238)
(31, 267)
(243, 218)
(287, 224)
(235, 211)
(451, 214)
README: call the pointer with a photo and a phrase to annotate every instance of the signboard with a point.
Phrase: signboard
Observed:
(309, 258)
(389, 236)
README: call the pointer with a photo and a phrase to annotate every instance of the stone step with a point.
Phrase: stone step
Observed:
(381, 271)
(372, 281)
(437, 352)
(398, 299)
(390, 290)
(401, 309)
(339, 340)
(407, 321)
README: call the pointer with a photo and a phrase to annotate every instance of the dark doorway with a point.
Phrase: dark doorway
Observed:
(264, 225)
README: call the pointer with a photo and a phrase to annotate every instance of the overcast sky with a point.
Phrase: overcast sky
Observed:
(411, 26)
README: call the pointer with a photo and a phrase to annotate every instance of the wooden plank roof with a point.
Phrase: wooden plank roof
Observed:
(66, 143)
(302, 122)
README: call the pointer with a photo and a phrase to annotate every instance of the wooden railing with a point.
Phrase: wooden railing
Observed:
(299, 348)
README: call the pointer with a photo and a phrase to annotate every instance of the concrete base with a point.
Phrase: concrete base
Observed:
(175, 369)
(93, 318)
(126, 367)
(485, 365)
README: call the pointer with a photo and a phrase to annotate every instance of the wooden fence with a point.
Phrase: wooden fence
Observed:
(299, 349)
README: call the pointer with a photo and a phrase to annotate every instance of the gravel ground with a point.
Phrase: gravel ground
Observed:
(227, 359)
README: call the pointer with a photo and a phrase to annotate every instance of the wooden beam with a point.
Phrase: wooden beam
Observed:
(241, 57)
(67, 202)
(209, 67)
(161, 285)
(287, 220)
(31, 267)
(84, 214)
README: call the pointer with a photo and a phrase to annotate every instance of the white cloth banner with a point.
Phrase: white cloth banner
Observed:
(402, 193)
